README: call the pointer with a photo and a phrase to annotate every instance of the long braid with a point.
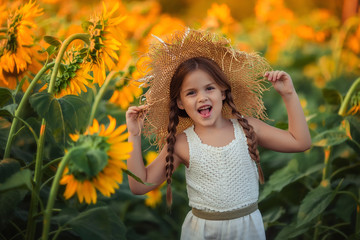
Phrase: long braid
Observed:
(249, 133)
(171, 139)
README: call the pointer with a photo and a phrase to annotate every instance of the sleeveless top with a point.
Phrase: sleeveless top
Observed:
(220, 179)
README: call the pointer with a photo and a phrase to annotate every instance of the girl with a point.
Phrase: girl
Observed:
(204, 99)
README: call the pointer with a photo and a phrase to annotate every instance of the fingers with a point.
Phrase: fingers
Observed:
(274, 75)
(136, 111)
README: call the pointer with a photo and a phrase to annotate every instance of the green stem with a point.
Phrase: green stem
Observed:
(345, 103)
(21, 106)
(53, 193)
(357, 224)
(37, 179)
(39, 157)
(327, 165)
(100, 95)
(19, 86)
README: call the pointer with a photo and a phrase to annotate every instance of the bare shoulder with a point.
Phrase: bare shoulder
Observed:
(182, 148)
(255, 123)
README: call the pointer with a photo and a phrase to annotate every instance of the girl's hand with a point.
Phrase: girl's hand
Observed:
(135, 119)
(281, 81)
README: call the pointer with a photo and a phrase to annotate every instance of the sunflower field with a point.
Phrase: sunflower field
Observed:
(69, 71)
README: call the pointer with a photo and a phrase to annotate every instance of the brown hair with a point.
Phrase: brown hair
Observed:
(212, 68)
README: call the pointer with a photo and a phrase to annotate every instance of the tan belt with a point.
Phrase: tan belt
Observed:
(225, 215)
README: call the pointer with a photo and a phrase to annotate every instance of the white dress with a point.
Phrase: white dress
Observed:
(221, 179)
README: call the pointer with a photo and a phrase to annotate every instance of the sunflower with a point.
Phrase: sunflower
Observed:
(73, 77)
(17, 53)
(96, 162)
(125, 93)
(105, 41)
(154, 196)
(355, 103)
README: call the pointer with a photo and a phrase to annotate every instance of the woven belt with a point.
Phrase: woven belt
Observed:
(225, 215)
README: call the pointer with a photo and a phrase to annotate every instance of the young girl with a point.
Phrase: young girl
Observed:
(204, 100)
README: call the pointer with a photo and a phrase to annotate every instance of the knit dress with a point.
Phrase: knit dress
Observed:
(221, 179)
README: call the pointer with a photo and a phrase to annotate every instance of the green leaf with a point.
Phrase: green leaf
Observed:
(285, 176)
(99, 223)
(8, 203)
(332, 96)
(66, 114)
(17, 180)
(136, 177)
(354, 122)
(5, 96)
(86, 161)
(291, 231)
(329, 138)
(8, 110)
(273, 214)
(8, 167)
(53, 41)
(315, 202)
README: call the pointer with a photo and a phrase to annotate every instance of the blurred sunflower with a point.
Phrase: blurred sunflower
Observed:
(96, 162)
(154, 196)
(105, 41)
(355, 103)
(17, 53)
(73, 76)
(125, 93)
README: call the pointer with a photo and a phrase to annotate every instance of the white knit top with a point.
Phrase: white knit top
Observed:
(221, 178)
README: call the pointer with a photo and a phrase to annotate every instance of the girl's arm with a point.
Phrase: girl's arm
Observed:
(155, 172)
(297, 137)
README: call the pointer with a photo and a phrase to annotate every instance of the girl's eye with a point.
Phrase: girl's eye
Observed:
(210, 88)
(190, 93)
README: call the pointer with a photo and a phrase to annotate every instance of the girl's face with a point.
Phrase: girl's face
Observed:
(201, 97)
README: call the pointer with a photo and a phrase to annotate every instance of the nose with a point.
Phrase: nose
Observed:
(202, 97)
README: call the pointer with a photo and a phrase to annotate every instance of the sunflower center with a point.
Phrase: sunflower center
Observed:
(11, 43)
(96, 28)
(89, 157)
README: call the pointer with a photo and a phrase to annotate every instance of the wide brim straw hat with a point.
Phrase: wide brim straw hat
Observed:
(245, 72)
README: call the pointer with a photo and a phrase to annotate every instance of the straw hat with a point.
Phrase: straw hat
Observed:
(244, 71)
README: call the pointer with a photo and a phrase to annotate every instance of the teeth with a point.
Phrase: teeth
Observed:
(206, 107)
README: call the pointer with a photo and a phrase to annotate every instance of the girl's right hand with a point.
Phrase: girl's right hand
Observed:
(135, 119)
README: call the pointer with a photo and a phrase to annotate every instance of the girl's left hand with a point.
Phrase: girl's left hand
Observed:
(281, 81)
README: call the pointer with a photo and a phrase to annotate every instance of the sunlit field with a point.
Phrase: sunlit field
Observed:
(70, 69)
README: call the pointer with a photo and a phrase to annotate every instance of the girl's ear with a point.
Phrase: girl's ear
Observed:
(223, 96)
(179, 104)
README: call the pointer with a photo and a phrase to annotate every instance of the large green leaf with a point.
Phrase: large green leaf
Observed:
(329, 138)
(5, 96)
(99, 223)
(19, 179)
(64, 115)
(285, 176)
(292, 231)
(315, 202)
(8, 202)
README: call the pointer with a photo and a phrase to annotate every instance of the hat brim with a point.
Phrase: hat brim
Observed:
(245, 72)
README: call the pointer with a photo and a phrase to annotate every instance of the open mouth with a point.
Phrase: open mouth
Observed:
(205, 111)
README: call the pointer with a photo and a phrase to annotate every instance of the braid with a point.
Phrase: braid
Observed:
(249, 133)
(171, 139)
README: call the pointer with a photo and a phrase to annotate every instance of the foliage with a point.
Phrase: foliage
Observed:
(62, 72)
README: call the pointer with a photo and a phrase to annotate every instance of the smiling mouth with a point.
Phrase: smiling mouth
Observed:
(205, 111)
